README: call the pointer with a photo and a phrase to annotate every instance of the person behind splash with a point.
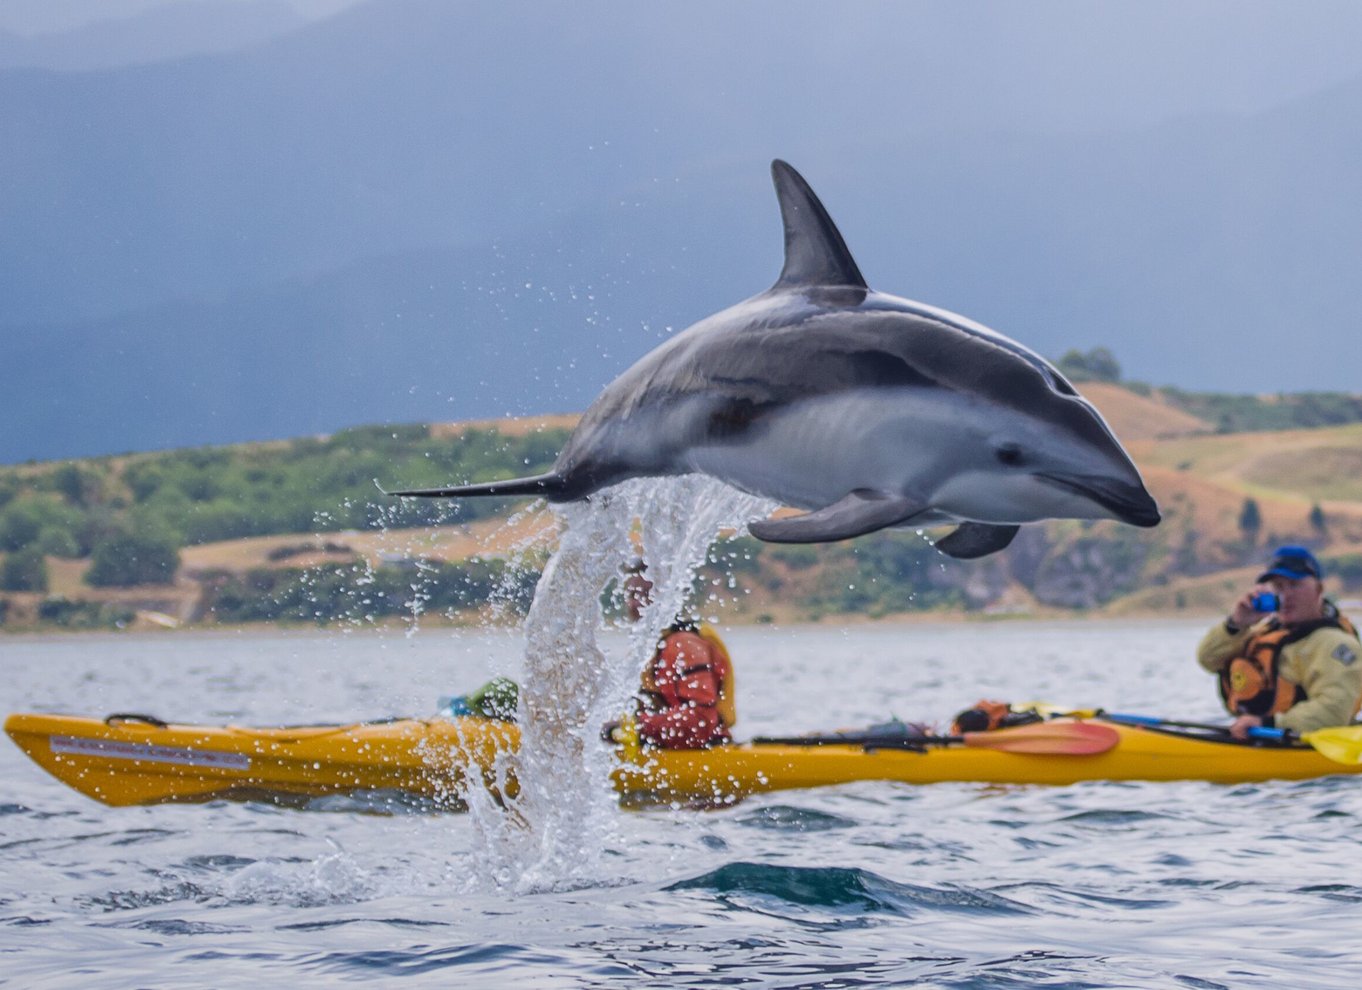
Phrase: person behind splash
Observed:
(685, 699)
(1285, 657)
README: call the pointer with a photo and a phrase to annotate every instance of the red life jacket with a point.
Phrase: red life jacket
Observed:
(682, 693)
(1251, 684)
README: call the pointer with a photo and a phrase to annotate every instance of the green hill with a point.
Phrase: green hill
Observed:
(297, 531)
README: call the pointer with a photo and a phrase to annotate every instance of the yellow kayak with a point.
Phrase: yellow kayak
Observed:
(125, 760)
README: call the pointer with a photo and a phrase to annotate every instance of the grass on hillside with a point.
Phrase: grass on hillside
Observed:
(275, 497)
(1304, 465)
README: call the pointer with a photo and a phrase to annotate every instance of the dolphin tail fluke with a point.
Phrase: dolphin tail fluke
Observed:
(815, 253)
(862, 511)
(970, 540)
(550, 486)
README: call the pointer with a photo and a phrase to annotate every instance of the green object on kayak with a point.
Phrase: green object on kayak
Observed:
(498, 698)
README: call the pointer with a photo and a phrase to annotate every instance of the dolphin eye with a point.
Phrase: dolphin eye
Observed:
(1009, 454)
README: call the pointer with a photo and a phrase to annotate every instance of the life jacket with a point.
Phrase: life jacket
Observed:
(1250, 684)
(723, 664)
(679, 652)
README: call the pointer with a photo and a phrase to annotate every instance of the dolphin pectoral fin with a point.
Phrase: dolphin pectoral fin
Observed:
(972, 539)
(861, 511)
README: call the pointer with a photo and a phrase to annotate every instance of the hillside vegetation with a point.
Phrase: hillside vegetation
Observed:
(297, 531)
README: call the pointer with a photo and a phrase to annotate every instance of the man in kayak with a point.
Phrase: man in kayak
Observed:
(686, 695)
(1285, 656)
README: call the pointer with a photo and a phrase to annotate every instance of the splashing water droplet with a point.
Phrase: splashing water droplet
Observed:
(553, 833)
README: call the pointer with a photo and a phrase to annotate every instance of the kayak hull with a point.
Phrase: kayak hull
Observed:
(132, 761)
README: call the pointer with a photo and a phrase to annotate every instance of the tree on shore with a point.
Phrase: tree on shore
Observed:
(1250, 521)
(1317, 521)
(24, 570)
(1096, 365)
(134, 558)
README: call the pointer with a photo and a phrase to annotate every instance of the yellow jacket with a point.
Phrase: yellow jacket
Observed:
(1325, 664)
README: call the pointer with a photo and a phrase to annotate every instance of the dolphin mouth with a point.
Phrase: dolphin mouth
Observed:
(1128, 503)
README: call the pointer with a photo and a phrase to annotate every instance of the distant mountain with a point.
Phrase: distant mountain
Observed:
(36, 17)
(421, 210)
(539, 322)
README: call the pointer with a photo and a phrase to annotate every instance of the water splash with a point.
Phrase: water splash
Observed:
(332, 878)
(553, 834)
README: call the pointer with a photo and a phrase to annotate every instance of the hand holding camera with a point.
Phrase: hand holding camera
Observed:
(1252, 605)
(1265, 601)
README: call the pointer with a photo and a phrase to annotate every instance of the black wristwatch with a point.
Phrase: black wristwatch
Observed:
(1231, 628)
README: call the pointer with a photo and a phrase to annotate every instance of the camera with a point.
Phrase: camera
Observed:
(1265, 601)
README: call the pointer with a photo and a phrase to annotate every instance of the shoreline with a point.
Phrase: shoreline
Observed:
(406, 629)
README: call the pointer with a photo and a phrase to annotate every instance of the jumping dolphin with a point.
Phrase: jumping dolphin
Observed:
(870, 410)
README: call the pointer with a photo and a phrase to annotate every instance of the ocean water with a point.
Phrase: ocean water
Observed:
(867, 885)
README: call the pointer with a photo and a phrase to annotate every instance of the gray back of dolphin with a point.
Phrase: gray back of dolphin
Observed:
(870, 410)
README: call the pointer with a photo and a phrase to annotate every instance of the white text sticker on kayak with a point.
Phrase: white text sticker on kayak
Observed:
(111, 749)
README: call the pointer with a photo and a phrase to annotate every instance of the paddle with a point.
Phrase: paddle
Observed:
(1342, 744)
(1043, 738)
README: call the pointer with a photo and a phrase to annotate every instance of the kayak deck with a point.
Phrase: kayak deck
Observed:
(128, 761)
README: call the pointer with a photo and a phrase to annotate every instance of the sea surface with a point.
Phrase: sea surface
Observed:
(866, 885)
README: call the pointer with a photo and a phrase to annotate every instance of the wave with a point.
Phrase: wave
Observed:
(843, 887)
(788, 818)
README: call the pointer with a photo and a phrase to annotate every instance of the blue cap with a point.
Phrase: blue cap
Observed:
(1292, 563)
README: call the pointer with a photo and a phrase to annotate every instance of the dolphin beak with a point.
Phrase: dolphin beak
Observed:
(1129, 503)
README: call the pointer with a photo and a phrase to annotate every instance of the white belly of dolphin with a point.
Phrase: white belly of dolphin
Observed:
(812, 453)
(933, 446)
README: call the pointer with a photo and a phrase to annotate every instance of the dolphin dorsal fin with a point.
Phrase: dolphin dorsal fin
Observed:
(815, 253)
